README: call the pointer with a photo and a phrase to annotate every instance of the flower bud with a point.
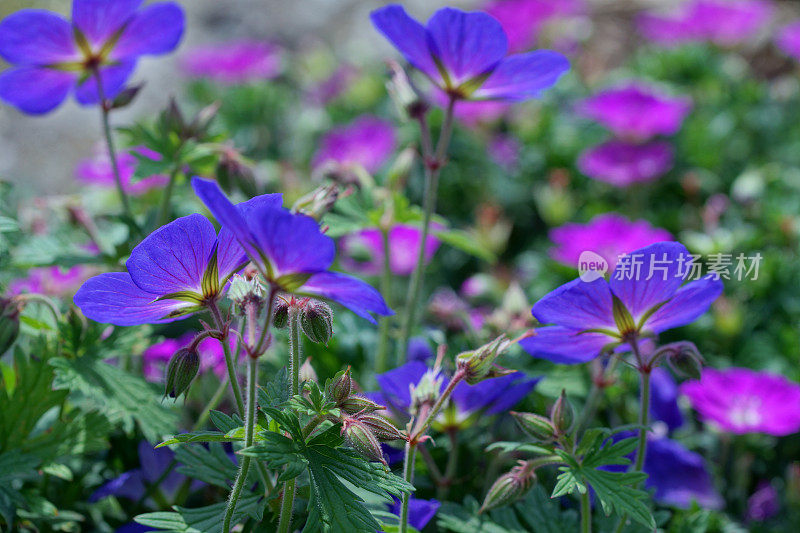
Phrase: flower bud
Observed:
(246, 291)
(280, 313)
(405, 95)
(316, 321)
(234, 172)
(380, 427)
(307, 372)
(478, 364)
(509, 487)
(684, 359)
(126, 96)
(563, 415)
(181, 370)
(361, 438)
(9, 323)
(318, 202)
(536, 426)
(339, 388)
(426, 392)
(359, 404)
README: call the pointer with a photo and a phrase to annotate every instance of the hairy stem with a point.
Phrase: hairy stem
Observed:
(384, 322)
(408, 475)
(586, 513)
(287, 504)
(433, 166)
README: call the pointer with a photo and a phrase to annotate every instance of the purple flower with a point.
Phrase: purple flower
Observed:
(289, 250)
(367, 141)
(51, 281)
(763, 504)
(171, 274)
(647, 286)
(788, 40)
(505, 150)
(636, 111)
(664, 399)
(51, 57)
(420, 512)
(473, 113)
(609, 235)
(98, 171)
(234, 62)
(334, 85)
(133, 483)
(622, 164)
(419, 350)
(156, 357)
(723, 22)
(740, 400)
(363, 251)
(522, 20)
(464, 54)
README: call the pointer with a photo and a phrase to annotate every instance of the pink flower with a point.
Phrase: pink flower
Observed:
(156, 357)
(722, 22)
(522, 20)
(740, 400)
(51, 281)
(234, 62)
(98, 171)
(505, 150)
(622, 164)
(788, 40)
(609, 235)
(636, 111)
(404, 243)
(334, 85)
(367, 141)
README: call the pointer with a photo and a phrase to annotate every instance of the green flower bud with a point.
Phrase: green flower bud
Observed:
(9, 323)
(381, 427)
(316, 321)
(245, 291)
(361, 438)
(563, 415)
(426, 392)
(280, 313)
(477, 365)
(359, 404)
(340, 386)
(536, 426)
(684, 359)
(318, 202)
(181, 370)
(509, 487)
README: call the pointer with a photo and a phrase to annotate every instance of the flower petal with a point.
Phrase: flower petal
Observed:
(114, 78)
(467, 45)
(35, 90)
(664, 402)
(565, 346)
(408, 36)
(230, 255)
(350, 292)
(691, 301)
(578, 304)
(395, 383)
(127, 485)
(156, 29)
(36, 37)
(523, 76)
(650, 276)
(113, 298)
(174, 257)
(100, 19)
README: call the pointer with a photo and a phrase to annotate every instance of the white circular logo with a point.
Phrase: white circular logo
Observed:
(591, 266)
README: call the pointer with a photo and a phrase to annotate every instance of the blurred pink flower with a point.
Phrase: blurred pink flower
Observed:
(637, 111)
(156, 357)
(763, 504)
(740, 400)
(234, 62)
(334, 85)
(610, 235)
(505, 150)
(98, 171)
(367, 141)
(723, 22)
(51, 281)
(622, 164)
(404, 243)
(788, 40)
(522, 20)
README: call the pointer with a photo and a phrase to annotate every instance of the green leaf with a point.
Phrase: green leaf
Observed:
(467, 243)
(276, 391)
(224, 422)
(509, 447)
(211, 465)
(204, 519)
(197, 436)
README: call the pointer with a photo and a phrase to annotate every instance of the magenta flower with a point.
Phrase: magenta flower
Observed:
(645, 294)
(636, 111)
(51, 57)
(289, 250)
(740, 400)
(404, 243)
(622, 164)
(763, 504)
(51, 281)
(98, 171)
(505, 150)
(174, 272)
(722, 22)
(367, 141)
(473, 113)
(234, 62)
(522, 20)
(609, 235)
(788, 40)
(212, 356)
(464, 54)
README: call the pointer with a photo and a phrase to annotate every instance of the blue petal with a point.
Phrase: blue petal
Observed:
(34, 37)
(679, 476)
(664, 402)
(565, 346)
(408, 36)
(395, 383)
(689, 302)
(350, 292)
(114, 79)
(420, 512)
(523, 76)
(35, 90)
(127, 485)
(230, 255)
(157, 29)
(98, 20)
(468, 45)
(578, 305)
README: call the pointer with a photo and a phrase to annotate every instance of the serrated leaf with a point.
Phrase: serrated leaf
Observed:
(197, 436)
(509, 447)
(204, 519)
(224, 422)
(211, 465)
(276, 391)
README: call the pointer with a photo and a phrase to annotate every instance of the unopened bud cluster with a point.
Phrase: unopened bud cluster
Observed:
(315, 317)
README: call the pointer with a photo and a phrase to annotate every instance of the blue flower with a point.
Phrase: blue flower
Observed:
(290, 251)
(51, 57)
(664, 399)
(420, 512)
(645, 295)
(464, 54)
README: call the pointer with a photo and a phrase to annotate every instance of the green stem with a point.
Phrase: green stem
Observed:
(384, 322)
(433, 166)
(163, 211)
(234, 381)
(586, 513)
(408, 475)
(593, 398)
(286, 506)
(294, 368)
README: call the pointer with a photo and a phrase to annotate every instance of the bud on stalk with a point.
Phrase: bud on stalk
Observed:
(359, 404)
(510, 487)
(280, 313)
(477, 365)
(380, 427)
(683, 358)
(536, 426)
(563, 415)
(361, 438)
(340, 387)
(181, 370)
(316, 321)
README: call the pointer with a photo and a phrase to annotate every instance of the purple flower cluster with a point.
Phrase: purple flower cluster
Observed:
(234, 62)
(52, 57)
(368, 141)
(363, 251)
(634, 113)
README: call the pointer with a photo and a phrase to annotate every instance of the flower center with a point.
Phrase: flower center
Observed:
(745, 412)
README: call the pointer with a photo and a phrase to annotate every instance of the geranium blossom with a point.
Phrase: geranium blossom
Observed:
(51, 57)
(403, 243)
(788, 40)
(522, 20)
(367, 141)
(234, 62)
(98, 171)
(51, 281)
(644, 294)
(622, 164)
(740, 400)
(464, 54)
